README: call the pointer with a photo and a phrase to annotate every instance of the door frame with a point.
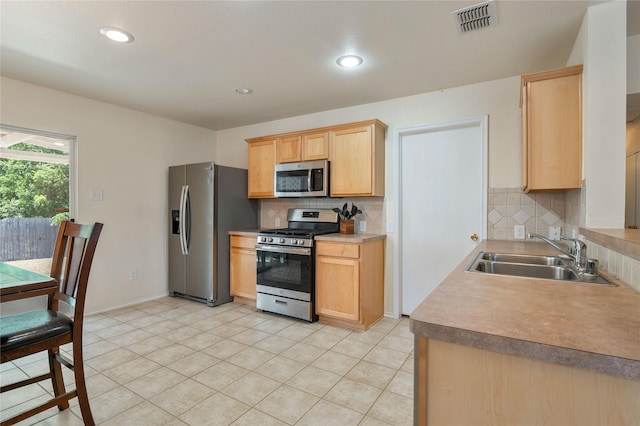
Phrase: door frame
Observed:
(480, 121)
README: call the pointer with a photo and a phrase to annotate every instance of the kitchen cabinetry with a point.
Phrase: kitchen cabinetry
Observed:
(289, 149)
(632, 192)
(551, 104)
(499, 388)
(357, 160)
(350, 283)
(242, 271)
(262, 158)
(315, 146)
(355, 150)
(303, 147)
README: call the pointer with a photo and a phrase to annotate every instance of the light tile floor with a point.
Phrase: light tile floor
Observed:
(174, 361)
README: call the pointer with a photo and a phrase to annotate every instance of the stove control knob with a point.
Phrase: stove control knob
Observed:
(281, 240)
(262, 239)
(270, 240)
(300, 242)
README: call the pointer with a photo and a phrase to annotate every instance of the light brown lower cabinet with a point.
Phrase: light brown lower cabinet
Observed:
(350, 283)
(242, 272)
(463, 385)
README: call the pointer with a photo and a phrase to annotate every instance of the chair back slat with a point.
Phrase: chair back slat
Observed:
(72, 258)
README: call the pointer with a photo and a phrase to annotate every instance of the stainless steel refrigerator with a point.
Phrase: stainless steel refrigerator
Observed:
(205, 202)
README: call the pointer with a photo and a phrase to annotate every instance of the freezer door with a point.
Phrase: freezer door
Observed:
(199, 261)
(177, 260)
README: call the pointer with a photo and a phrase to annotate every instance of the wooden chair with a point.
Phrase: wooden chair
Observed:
(46, 330)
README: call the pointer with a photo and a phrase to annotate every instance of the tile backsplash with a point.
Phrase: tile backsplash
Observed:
(507, 207)
(273, 212)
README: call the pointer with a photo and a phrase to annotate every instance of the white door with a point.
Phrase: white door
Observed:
(442, 202)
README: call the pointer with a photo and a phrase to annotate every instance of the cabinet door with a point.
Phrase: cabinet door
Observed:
(289, 149)
(338, 287)
(242, 271)
(552, 130)
(352, 162)
(262, 159)
(315, 146)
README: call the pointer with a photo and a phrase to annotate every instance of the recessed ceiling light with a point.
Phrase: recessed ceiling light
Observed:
(349, 61)
(116, 34)
(243, 90)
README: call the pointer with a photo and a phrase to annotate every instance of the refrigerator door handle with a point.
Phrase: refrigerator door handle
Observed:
(184, 195)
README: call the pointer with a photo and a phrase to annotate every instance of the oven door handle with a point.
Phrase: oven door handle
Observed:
(286, 250)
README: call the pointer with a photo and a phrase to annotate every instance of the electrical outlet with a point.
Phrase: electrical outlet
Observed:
(389, 227)
(554, 232)
(518, 232)
(277, 222)
(133, 275)
(362, 226)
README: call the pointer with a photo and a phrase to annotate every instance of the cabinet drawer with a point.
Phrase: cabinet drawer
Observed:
(244, 242)
(338, 250)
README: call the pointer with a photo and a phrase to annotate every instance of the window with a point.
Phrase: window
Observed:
(35, 194)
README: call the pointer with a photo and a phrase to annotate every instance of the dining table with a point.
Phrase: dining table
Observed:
(19, 283)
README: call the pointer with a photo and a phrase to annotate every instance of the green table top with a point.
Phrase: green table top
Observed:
(12, 276)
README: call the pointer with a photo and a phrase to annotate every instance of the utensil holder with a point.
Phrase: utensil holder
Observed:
(347, 226)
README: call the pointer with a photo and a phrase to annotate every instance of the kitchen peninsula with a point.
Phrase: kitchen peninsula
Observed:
(506, 350)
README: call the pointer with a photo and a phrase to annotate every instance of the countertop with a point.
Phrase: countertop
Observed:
(245, 233)
(587, 326)
(350, 238)
(625, 241)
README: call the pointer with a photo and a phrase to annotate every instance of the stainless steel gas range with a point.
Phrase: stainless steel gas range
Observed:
(286, 263)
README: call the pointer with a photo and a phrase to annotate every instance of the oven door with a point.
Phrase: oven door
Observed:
(284, 271)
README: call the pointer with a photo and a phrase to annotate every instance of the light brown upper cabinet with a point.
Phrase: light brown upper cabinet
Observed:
(551, 103)
(355, 150)
(289, 149)
(357, 159)
(303, 147)
(315, 146)
(262, 159)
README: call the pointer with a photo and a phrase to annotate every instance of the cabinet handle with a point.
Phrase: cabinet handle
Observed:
(474, 237)
(282, 302)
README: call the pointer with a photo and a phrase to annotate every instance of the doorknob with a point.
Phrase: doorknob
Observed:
(474, 237)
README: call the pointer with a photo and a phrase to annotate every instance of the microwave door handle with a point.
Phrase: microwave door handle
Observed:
(309, 189)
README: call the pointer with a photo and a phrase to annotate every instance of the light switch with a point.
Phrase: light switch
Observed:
(96, 195)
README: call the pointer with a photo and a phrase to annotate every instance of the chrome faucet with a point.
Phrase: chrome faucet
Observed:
(579, 256)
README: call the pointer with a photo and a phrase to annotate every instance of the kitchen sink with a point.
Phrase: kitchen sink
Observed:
(525, 258)
(524, 270)
(532, 266)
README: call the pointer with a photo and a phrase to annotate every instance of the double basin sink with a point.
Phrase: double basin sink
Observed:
(532, 266)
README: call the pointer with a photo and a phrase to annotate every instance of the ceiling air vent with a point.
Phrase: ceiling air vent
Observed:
(475, 17)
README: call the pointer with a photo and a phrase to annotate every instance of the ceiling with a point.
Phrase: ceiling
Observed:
(189, 56)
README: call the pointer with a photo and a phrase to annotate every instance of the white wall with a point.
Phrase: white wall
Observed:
(126, 154)
(601, 46)
(499, 99)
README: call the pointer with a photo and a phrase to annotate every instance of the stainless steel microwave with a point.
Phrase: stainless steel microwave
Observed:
(303, 179)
